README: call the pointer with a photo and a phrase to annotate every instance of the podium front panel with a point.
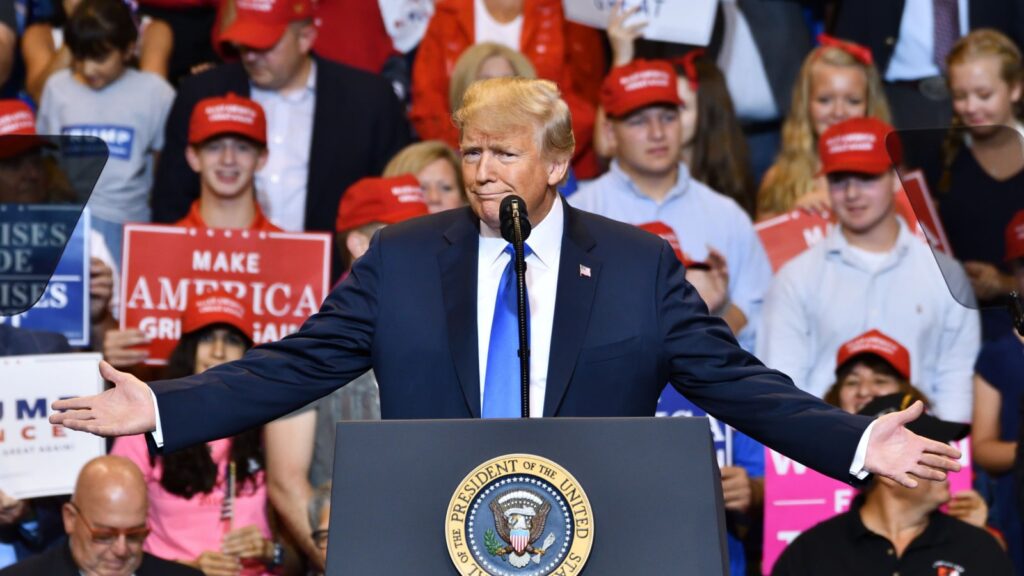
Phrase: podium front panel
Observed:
(653, 486)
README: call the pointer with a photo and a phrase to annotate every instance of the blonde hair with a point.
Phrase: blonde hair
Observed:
(502, 105)
(467, 68)
(981, 43)
(416, 157)
(794, 170)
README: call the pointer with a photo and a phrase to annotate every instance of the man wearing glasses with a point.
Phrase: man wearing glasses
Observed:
(106, 526)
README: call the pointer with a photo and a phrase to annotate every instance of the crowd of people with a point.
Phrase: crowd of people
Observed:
(301, 116)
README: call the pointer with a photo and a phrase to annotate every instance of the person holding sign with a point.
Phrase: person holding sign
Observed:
(611, 321)
(190, 490)
(870, 270)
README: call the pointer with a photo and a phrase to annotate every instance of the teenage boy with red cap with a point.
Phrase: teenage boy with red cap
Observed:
(998, 389)
(328, 125)
(870, 271)
(300, 447)
(647, 182)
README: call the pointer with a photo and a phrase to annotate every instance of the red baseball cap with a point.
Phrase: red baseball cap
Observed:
(259, 24)
(663, 230)
(231, 114)
(1015, 237)
(855, 145)
(877, 343)
(216, 308)
(382, 200)
(18, 123)
(637, 84)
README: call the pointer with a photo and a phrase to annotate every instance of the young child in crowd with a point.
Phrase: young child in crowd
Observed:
(101, 95)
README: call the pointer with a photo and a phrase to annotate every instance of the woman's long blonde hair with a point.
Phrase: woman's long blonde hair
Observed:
(794, 170)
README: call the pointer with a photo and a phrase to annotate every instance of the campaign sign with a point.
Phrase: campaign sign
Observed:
(283, 276)
(677, 21)
(797, 498)
(787, 235)
(64, 306)
(672, 403)
(32, 238)
(917, 200)
(40, 459)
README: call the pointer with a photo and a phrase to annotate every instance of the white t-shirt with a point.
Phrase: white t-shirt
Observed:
(487, 29)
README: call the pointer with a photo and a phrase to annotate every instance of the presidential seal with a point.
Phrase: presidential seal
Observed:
(519, 515)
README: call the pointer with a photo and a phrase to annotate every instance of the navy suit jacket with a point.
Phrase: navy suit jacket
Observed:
(408, 310)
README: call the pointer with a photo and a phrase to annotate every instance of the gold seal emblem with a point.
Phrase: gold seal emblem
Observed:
(519, 515)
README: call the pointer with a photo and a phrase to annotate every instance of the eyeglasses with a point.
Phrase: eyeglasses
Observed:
(108, 536)
(320, 538)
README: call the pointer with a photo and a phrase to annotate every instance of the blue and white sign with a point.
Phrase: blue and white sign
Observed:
(64, 305)
(672, 403)
(119, 139)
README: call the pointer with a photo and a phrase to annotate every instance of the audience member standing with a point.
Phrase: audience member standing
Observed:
(870, 271)
(327, 124)
(648, 183)
(838, 81)
(101, 96)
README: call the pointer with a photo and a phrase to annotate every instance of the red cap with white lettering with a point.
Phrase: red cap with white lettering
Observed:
(877, 343)
(259, 24)
(216, 308)
(638, 84)
(855, 145)
(382, 201)
(18, 129)
(229, 114)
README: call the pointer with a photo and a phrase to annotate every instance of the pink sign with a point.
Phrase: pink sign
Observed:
(797, 498)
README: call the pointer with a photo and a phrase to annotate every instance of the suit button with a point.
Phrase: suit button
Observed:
(890, 41)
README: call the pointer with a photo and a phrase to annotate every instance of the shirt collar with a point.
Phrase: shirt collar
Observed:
(678, 189)
(835, 241)
(545, 239)
(298, 95)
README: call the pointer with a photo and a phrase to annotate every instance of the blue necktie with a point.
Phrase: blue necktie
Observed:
(502, 398)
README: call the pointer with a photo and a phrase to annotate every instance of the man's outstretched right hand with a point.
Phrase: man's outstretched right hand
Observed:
(125, 409)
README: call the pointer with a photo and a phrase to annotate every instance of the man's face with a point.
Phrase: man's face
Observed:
(95, 527)
(647, 141)
(98, 73)
(862, 201)
(226, 164)
(277, 67)
(862, 385)
(495, 165)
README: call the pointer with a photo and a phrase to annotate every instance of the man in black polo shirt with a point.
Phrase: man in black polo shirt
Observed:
(891, 529)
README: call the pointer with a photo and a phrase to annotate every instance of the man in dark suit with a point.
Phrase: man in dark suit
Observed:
(611, 320)
(106, 525)
(910, 39)
(328, 124)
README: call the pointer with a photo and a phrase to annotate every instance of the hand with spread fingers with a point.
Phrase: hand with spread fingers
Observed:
(125, 409)
(897, 453)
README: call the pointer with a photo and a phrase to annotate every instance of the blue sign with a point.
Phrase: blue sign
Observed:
(64, 304)
(672, 403)
(119, 139)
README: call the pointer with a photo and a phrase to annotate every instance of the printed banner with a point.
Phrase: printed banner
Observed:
(786, 236)
(678, 21)
(32, 238)
(672, 403)
(40, 459)
(64, 306)
(917, 200)
(283, 276)
(797, 498)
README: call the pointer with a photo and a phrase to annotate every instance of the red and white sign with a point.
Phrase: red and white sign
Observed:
(786, 236)
(283, 276)
(917, 200)
(797, 498)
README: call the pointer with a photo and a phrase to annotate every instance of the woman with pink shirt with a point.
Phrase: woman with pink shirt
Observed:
(208, 503)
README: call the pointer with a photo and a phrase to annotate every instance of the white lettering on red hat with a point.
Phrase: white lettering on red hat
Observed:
(855, 142)
(230, 113)
(407, 193)
(256, 5)
(1018, 231)
(217, 305)
(644, 79)
(16, 121)
(872, 344)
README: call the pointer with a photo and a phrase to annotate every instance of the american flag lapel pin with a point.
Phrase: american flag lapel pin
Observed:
(584, 271)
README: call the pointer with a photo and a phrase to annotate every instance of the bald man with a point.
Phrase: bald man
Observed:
(106, 526)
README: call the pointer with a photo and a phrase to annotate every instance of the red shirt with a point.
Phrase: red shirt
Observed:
(194, 219)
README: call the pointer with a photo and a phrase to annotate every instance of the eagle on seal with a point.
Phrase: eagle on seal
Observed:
(519, 519)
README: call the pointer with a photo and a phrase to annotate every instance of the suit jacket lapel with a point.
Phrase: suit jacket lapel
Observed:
(458, 263)
(578, 274)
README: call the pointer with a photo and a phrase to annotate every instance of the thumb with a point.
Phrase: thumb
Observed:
(913, 412)
(112, 374)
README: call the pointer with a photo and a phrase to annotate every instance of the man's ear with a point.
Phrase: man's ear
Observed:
(306, 35)
(192, 157)
(68, 515)
(557, 169)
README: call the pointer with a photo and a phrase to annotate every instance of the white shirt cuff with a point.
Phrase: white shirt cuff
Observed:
(856, 468)
(158, 433)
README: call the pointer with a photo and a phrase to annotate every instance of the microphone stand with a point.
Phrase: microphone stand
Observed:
(524, 344)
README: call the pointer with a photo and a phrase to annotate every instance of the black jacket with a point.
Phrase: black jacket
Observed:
(57, 561)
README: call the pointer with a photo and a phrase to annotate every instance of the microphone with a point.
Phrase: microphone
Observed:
(515, 229)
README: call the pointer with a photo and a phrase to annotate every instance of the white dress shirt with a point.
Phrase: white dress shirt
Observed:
(545, 242)
(913, 57)
(281, 184)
